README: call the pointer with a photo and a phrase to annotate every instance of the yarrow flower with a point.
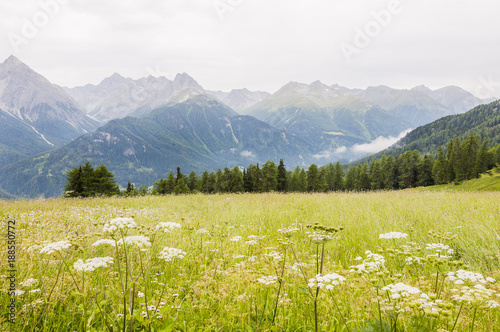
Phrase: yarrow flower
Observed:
(137, 240)
(236, 238)
(92, 264)
(439, 248)
(28, 282)
(55, 246)
(320, 237)
(268, 280)
(251, 242)
(478, 293)
(203, 231)
(328, 281)
(104, 241)
(169, 254)
(373, 262)
(288, 232)
(167, 226)
(393, 235)
(119, 223)
(274, 254)
(461, 276)
(401, 290)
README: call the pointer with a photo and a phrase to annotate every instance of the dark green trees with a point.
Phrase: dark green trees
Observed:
(85, 181)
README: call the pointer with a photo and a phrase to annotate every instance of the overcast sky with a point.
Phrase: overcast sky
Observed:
(260, 45)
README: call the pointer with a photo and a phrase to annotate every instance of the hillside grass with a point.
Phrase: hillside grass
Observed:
(215, 286)
(487, 182)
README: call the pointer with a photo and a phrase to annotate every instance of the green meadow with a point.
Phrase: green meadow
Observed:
(255, 262)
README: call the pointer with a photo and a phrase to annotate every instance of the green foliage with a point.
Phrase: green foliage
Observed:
(88, 182)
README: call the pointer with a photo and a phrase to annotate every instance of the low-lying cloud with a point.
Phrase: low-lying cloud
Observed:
(379, 144)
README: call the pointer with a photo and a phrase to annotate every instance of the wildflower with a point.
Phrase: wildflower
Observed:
(438, 248)
(239, 256)
(203, 231)
(140, 294)
(413, 260)
(119, 223)
(251, 242)
(478, 293)
(320, 237)
(401, 290)
(137, 240)
(167, 226)
(28, 282)
(55, 246)
(236, 238)
(104, 241)
(461, 276)
(274, 254)
(393, 235)
(18, 292)
(268, 280)
(169, 254)
(35, 290)
(252, 258)
(288, 232)
(91, 264)
(373, 262)
(328, 281)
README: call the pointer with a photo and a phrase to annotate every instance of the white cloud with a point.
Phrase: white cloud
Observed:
(247, 154)
(329, 154)
(379, 144)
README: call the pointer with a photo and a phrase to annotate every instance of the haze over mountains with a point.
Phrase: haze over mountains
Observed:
(151, 125)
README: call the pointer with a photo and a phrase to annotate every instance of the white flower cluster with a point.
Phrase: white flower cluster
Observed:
(478, 293)
(393, 235)
(275, 255)
(236, 238)
(167, 226)
(203, 231)
(104, 241)
(92, 264)
(119, 223)
(319, 237)
(440, 248)
(137, 240)
(55, 246)
(413, 260)
(169, 254)
(401, 290)
(461, 276)
(28, 282)
(268, 280)
(373, 262)
(251, 242)
(328, 281)
(288, 232)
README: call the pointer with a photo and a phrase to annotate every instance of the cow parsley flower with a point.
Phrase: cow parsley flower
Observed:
(393, 235)
(55, 246)
(236, 238)
(320, 237)
(119, 223)
(92, 264)
(328, 281)
(169, 254)
(289, 231)
(478, 293)
(28, 282)
(440, 249)
(104, 241)
(462, 276)
(251, 242)
(401, 290)
(137, 240)
(167, 226)
(274, 254)
(268, 280)
(203, 231)
(373, 262)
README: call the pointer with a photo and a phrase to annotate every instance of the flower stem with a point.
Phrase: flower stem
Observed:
(456, 320)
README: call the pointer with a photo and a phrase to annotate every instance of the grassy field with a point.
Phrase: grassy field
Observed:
(269, 262)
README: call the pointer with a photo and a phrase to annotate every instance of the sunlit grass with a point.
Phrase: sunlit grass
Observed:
(232, 241)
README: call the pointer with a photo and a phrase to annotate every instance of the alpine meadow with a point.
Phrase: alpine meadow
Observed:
(249, 166)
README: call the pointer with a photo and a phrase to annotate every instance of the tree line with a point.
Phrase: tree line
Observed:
(457, 161)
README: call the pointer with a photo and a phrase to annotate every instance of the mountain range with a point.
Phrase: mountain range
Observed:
(142, 129)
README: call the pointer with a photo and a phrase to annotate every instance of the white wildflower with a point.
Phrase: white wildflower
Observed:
(169, 254)
(104, 241)
(18, 292)
(393, 235)
(328, 281)
(275, 255)
(251, 242)
(462, 276)
(236, 238)
(288, 232)
(91, 264)
(167, 226)
(119, 223)
(55, 246)
(137, 240)
(401, 290)
(28, 282)
(440, 249)
(203, 231)
(267, 280)
(140, 294)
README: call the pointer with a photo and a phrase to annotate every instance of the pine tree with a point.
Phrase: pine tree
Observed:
(193, 182)
(282, 179)
(440, 168)
(237, 183)
(269, 176)
(313, 178)
(74, 186)
(338, 182)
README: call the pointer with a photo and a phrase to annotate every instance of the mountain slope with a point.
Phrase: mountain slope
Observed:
(198, 134)
(239, 99)
(482, 120)
(37, 112)
(325, 116)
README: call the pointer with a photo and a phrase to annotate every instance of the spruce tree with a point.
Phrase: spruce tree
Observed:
(282, 179)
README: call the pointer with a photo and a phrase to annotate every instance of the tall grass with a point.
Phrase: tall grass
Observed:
(216, 286)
